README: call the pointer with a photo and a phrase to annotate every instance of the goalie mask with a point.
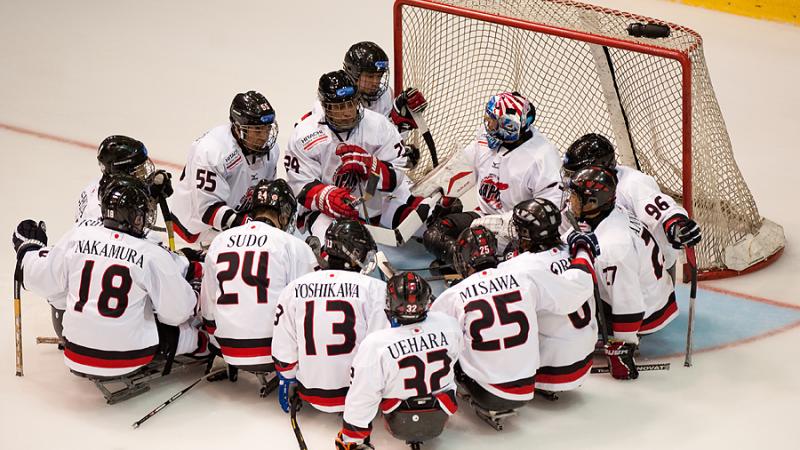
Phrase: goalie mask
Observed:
(367, 64)
(127, 206)
(349, 244)
(122, 154)
(408, 299)
(476, 249)
(275, 196)
(506, 118)
(536, 223)
(253, 122)
(592, 191)
(589, 150)
(340, 100)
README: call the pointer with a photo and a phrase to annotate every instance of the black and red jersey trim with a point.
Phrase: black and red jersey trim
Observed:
(402, 212)
(211, 212)
(308, 194)
(322, 397)
(178, 227)
(354, 432)
(564, 374)
(522, 386)
(108, 359)
(626, 323)
(245, 348)
(388, 176)
(209, 325)
(447, 401)
(281, 366)
(660, 316)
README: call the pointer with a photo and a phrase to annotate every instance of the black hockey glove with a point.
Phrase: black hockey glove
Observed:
(29, 235)
(620, 360)
(160, 184)
(445, 206)
(682, 231)
(583, 241)
(405, 102)
(412, 154)
(440, 237)
(193, 254)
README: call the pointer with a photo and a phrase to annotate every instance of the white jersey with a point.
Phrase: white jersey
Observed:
(217, 181)
(639, 193)
(311, 158)
(89, 201)
(566, 341)
(497, 310)
(506, 177)
(399, 363)
(246, 268)
(116, 284)
(632, 278)
(321, 318)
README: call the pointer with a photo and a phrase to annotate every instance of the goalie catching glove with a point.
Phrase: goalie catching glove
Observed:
(682, 231)
(332, 201)
(407, 101)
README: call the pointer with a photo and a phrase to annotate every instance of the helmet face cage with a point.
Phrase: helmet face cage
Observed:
(253, 120)
(122, 154)
(277, 196)
(257, 138)
(367, 64)
(591, 191)
(536, 223)
(475, 247)
(340, 99)
(128, 208)
(408, 298)
(505, 117)
(345, 115)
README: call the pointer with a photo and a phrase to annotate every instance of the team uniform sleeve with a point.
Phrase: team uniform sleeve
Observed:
(374, 306)
(284, 339)
(651, 206)
(619, 285)
(208, 291)
(543, 179)
(562, 294)
(365, 394)
(45, 270)
(210, 190)
(303, 258)
(303, 168)
(173, 298)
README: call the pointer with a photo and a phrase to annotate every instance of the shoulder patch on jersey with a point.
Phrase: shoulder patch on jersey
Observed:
(233, 160)
(311, 140)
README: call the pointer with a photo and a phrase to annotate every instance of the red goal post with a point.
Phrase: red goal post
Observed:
(585, 73)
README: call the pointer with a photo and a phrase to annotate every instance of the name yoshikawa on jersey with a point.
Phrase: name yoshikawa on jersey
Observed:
(506, 177)
(217, 178)
(246, 268)
(321, 319)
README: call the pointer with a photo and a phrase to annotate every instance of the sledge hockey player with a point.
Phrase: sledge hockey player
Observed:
(332, 154)
(566, 342)
(122, 155)
(406, 370)
(224, 165)
(323, 316)
(246, 269)
(120, 287)
(639, 193)
(510, 161)
(638, 294)
(497, 309)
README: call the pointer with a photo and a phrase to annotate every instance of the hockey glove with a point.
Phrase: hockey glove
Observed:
(583, 241)
(412, 154)
(407, 101)
(445, 206)
(286, 390)
(682, 231)
(336, 202)
(160, 184)
(29, 235)
(620, 360)
(193, 254)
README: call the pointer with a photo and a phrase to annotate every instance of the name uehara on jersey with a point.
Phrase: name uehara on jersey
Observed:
(416, 344)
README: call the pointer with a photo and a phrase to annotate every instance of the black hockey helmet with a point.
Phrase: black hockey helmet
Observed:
(367, 57)
(339, 96)
(592, 190)
(124, 154)
(253, 122)
(275, 195)
(589, 150)
(476, 249)
(350, 246)
(536, 223)
(126, 206)
(408, 298)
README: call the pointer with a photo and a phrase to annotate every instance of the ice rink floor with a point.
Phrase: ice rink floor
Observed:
(73, 73)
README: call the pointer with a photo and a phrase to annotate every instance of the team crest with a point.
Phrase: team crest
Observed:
(490, 190)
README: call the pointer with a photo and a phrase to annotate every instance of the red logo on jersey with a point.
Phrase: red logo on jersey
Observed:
(490, 189)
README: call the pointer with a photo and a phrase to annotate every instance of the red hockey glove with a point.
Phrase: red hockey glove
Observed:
(356, 162)
(336, 202)
(407, 101)
(620, 360)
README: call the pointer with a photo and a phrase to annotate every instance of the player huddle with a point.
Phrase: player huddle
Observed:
(557, 253)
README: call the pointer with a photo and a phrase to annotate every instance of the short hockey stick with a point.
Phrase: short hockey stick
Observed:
(168, 223)
(294, 406)
(48, 340)
(173, 398)
(422, 126)
(639, 367)
(18, 317)
(692, 261)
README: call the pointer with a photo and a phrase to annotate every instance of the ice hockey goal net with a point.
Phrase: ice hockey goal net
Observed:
(585, 73)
